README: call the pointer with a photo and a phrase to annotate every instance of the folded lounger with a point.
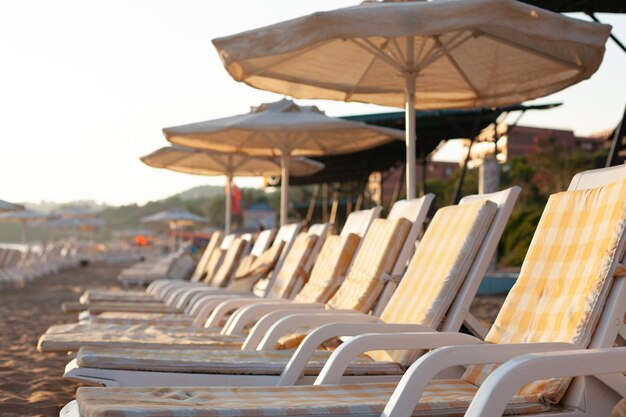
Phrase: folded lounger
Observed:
(207, 265)
(568, 296)
(175, 299)
(142, 270)
(435, 293)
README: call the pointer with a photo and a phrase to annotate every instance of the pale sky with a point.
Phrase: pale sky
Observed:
(86, 86)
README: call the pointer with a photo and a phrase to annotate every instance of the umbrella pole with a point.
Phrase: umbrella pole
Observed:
(411, 136)
(284, 187)
(229, 204)
(23, 231)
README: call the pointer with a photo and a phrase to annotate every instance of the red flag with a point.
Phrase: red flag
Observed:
(236, 199)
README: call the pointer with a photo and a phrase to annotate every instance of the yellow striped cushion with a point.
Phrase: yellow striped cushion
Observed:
(210, 361)
(229, 264)
(159, 319)
(329, 268)
(377, 256)
(619, 410)
(248, 275)
(438, 268)
(145, 307)
(443, 398)
(94, 295)
(292, 269)
(213, 265)
(200, 271)
(565, 277)
(70, 337)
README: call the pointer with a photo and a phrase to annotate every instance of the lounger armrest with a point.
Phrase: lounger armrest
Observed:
(196, 300)
(205, 305)
(411, 387)
(294, 369)
(265, 334)
(160, 286)
(181, 297)
(251, 313)
(227, 307)
(491, 398)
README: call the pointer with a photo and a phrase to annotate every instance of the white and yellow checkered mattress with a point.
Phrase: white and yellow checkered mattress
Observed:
(208, 361)
(441, 398)
(70, 337)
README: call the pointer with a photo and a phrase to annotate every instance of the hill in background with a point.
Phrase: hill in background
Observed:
(206, 201)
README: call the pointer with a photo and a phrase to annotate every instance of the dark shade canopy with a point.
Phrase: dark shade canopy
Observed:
(587, 6)
(432, 127)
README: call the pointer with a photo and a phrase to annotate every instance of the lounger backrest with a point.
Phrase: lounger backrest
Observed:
(212, 246)
(229, 264)
(286, 234)
(251, 269)
(415, 211)
(359, 221)
(293, 268)
(263, 241)
(438, 268)
(321, 231)
(377, 256)
(565, 278)
(597, 178)
(458, 313)
(329, 269)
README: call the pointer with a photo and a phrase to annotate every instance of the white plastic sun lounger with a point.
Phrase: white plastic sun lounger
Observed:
(451, 315)
(593, 220)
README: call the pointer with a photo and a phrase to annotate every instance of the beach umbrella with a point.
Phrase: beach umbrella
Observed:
(281, 129)
(201, 162)
(6, 206)
(175, 218)
(23, 218)
(77, 213)
(419, 54)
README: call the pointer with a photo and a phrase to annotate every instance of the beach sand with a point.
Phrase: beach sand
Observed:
(31, 383)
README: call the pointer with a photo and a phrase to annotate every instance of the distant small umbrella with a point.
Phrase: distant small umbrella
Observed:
(175, 218)
(211, 163)
(7, 206)
(23, 218)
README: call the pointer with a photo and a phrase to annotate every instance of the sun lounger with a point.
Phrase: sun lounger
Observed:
(456, 250)
(570, 295)
(205, 268)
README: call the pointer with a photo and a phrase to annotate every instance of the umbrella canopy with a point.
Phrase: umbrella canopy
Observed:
(201, 162)
(23, 217)
(6, 206)
(175, 215)
(77, 213)
(84, 224)
(281, 129)
(176, 218)
(426, 55)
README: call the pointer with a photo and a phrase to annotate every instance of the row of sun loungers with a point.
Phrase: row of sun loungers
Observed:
(17, 267)
(373, 323)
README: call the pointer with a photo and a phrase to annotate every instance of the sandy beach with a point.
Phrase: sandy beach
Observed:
(31, 383)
